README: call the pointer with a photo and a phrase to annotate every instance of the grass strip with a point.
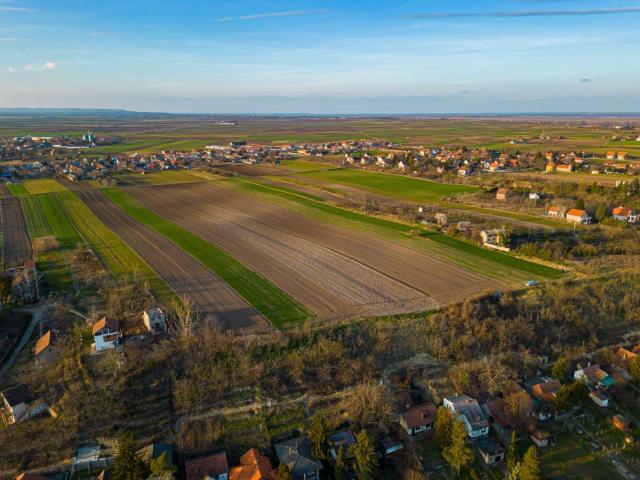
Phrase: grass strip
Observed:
(268, 299)
(17, 189)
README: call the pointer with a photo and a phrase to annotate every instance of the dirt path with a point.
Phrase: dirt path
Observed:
(217, 303)
(37, 315)
(16, 247)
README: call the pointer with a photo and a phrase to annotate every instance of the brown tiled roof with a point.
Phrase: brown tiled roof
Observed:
(576, 212)
(212, 465)
(253, 466)
(43, 342)
(111, 323)
(420, 415)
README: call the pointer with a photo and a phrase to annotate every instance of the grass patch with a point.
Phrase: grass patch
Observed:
(572, 458)
(268, 299)
(17, 189)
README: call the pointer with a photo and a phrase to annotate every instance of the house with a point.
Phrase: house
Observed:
(623, 359)
(546, 390)
(418, 419)
(210, 467)
(296, 455)
(576, 215)
(564, 168)
(549, 156)
(621, 422)
(495, 410)
(622, 156)
(43, 351)
(550, 168)
(441, 218)
(540, 438)
(253, 466)
(155, 320)
(490, 451)
(625, 214)
(21, 404)
(341, 440)
(600, 398)
(464, 171)
(154, 450)
(611, 155)
(491, 236)
(534, 196)
(592, 375)
(468, 410)
(106, 333)
(556, 211)
(30, 476)
(502, 194)
(389, 446)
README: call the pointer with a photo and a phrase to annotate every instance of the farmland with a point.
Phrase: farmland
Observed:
(16, 245)
(31, 187)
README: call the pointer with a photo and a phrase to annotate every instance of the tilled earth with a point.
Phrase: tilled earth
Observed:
(16, 246)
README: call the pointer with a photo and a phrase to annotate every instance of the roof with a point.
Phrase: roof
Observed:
(496, 410)
(212, 465)
(18, 394)
(342, 439)
(112, 324)
(622, 211)
(253, 466)
(490, 447)
(43, 343)
(154, 450)
(30, 476)
(296, 454)
(576, 212)
(420, 415)
(503, 191)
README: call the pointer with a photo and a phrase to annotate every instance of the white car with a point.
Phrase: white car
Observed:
(531, 283)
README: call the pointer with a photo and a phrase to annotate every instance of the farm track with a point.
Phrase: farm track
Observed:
(217, 303)
(16, 247)
(359, 274)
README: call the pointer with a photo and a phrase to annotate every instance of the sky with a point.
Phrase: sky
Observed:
(338, 56)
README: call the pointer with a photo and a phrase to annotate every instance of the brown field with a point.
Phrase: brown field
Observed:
(16, 247)
(333, 271)
(217, 303)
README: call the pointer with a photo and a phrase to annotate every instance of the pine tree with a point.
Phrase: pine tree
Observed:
(560, 369)
(162, 467)
(458, 454)
(319, 436)
(340, 472)
(530, 469)
(442, 435)
(127, 464)
(512, 454)
(365, 456)
(284, 473)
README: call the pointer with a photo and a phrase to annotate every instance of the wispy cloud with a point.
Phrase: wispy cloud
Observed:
(33, 67)
(528, 13)
(288, 13)
(8, 9)
(13, 40)
(98, 34)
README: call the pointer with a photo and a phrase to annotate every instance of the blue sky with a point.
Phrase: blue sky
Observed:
(416, 56)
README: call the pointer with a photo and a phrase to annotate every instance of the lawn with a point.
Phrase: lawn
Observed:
(396, 186)
(116, 255)
(491, 263)
(573, 458)
(268, 299)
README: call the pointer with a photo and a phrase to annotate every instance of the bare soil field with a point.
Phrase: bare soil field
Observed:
(217, 303)
(16, 247)
(329, 269)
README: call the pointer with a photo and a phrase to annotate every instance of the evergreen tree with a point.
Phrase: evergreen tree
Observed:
(284, 473)
(512, 454)
(365, 456)
(560, 369)
(530, 469)
(444, 420)
(340, 472)
(162, 467)
(458, 454)
(127, 465)
(319, 436)
(634, 369)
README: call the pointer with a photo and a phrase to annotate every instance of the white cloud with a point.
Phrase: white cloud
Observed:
(288, 13)
(4, 8)
(31, 67)
(13, 40)
(98, 34)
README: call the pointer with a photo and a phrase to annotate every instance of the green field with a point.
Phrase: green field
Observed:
(269, 300)
(17, 189)
(35, 186)
(490, 263)
(396, 186)
(572, 459)
(117, 256)
(165, 177)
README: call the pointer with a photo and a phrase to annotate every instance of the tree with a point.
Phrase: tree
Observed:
(127, 464)
(512, 453)
(284, 473)
(634, 369)
(570, 395)
(370, 404)
(444, 420)
(560, 369)
(318, 435)
(530, 469)
(365, 456)
(162, 467)
(340, 471)
(517, 409)
(458, 454)
(601, 213)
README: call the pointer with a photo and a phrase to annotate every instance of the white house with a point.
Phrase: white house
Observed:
(420, 418)
(106, 333)
(21, 404)
(576, 215)
(600, 398)
(491, 236)
(468, 410)
(625, 214)
(155, 320)
(534, 196)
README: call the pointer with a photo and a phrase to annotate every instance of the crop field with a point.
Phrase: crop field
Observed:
(165, 178)
(488, 263)
(337, 273)
(116, 255)
(16, 244)
(35, 186)
(216, 302)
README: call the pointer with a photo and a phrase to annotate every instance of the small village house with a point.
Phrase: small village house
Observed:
(622, 156)
(21, 404)
(154, 450)
(625, 214)
(600, 398)
(545, 391)
(296, 455)
(341, 440)
(593, 375)
(210, 467)
(468, 410)
(611, 155)
(549, 156)
(418, 419)
(564, 168)
(495, 411)
(550, 167)
(155, 320)
(575, 215)
(106, 334)
(540, 438)
(490, 451)
(253, 466)
(556, 211)
(502, 194)
(493, 236)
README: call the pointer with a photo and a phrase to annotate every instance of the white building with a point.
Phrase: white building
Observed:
(106, 334)
(468, 410)
(155, 320)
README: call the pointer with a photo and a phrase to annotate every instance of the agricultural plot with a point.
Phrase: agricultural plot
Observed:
(333, 271)
(267, 298)
(36, 186)
(216, 302)
(16, 244)
(165, 178)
